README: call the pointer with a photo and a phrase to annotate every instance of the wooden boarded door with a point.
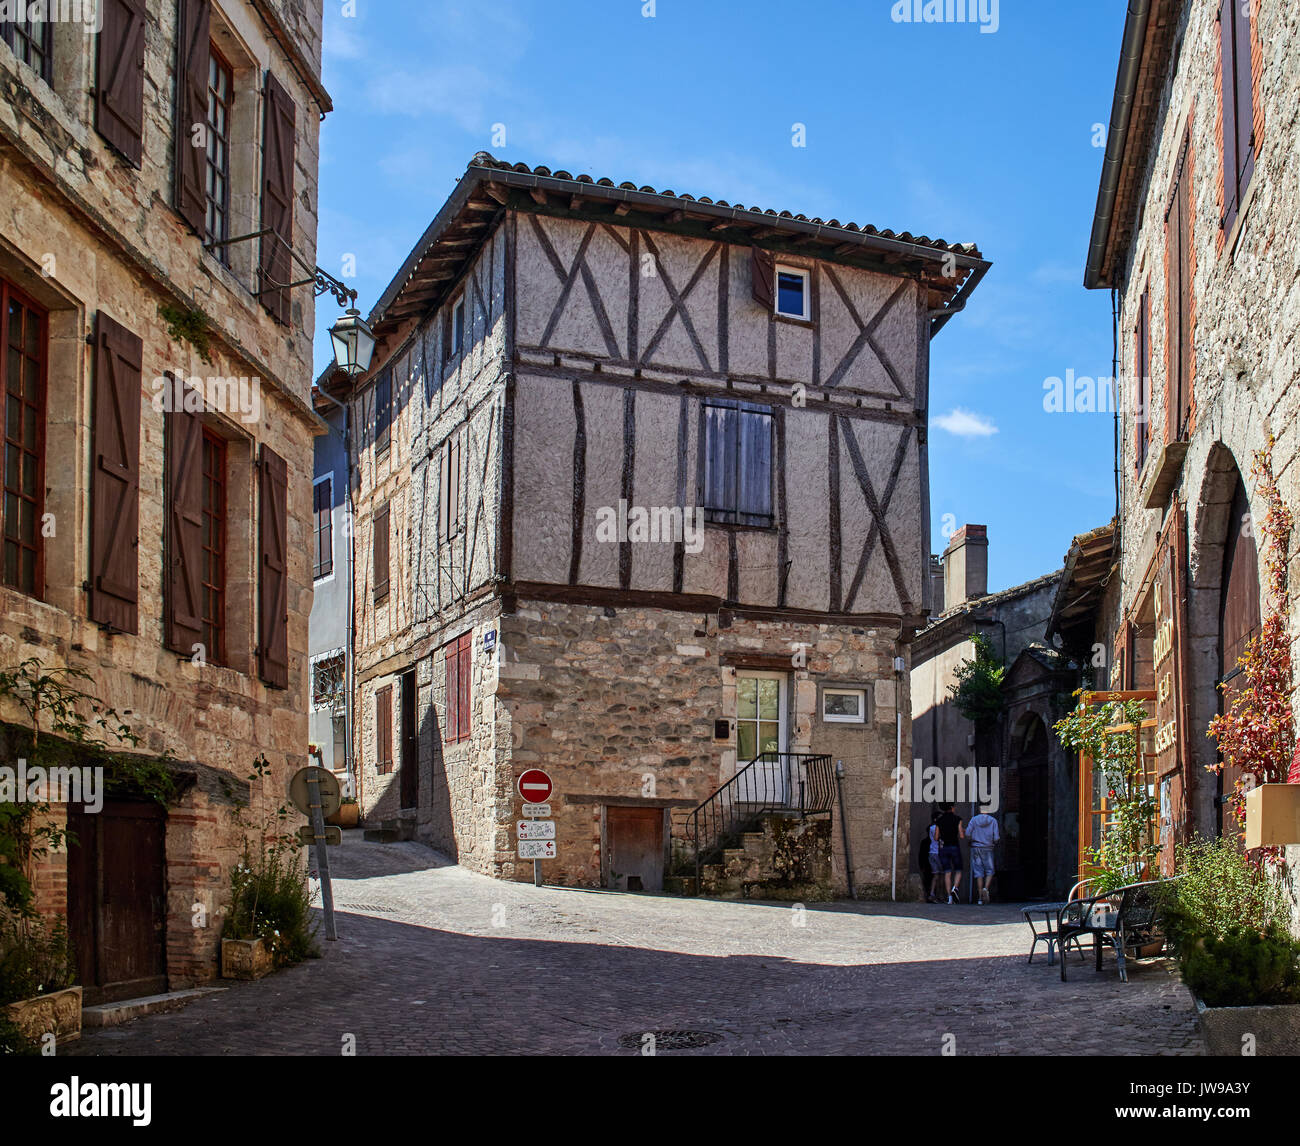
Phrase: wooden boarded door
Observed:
(409, 778)
(1032, 769)
(635, 848)
(117, 910)
(1239, 621)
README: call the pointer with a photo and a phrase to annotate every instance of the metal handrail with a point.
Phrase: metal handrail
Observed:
(786, 782)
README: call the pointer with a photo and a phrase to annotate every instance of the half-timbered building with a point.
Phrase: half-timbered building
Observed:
(642, 502)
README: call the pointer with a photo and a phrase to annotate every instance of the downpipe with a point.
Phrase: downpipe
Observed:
(898, 774)
(844, 827)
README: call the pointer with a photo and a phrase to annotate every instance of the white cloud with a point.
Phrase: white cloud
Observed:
(965, 424)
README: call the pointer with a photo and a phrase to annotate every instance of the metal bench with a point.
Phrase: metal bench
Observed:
(1127, 919)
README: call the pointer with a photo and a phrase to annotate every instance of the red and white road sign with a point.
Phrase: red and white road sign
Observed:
(535, 786)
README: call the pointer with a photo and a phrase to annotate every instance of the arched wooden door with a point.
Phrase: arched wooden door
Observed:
(1239, 621)
(1034, 795)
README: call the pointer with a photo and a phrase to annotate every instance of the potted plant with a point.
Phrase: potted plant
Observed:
(348, 815)
(37, 998)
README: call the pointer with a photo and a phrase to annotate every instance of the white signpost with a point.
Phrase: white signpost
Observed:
(535, 837)
(536, 849)
(535, 829)
(534, 810)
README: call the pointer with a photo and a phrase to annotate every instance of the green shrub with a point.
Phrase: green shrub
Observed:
(35, 959)
(12, 1039)
(1243, 968)
(1219, 891)
(270, 900)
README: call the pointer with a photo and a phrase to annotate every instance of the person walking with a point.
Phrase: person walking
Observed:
(983, 833)
(951, 833)
(928, 858)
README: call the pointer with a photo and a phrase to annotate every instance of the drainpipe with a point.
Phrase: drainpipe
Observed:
(844, 828)
(898, 774)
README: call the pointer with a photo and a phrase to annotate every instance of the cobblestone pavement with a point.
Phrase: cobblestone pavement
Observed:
(433, 959)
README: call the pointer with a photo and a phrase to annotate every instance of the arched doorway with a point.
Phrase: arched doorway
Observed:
(1033, 797)
(1239, 622)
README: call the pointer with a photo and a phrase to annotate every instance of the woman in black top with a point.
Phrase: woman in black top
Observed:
(951, 833)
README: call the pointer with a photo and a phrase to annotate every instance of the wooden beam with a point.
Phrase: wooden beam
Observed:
(500, 194)
(622, 208)
(538, 195)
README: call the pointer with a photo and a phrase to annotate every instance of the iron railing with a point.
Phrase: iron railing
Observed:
(791, 782)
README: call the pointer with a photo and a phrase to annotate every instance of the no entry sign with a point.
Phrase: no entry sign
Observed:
(535, 786)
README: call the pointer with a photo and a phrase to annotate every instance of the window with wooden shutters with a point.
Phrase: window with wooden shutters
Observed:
(31, 39)
(213, 607)
(762, 277)
(24, 338)
(183, 529)
(115, 477)
(221, 94)
(379, 550)
(1142, 384)
(459, 676)
(383, 413)
(119, 84)
(736, 470)
(1178, 237)
(449, 515)
(277, 199)
(193, 121)
(273, 569)
(1238, 109)
(384, 729)
(323, 527)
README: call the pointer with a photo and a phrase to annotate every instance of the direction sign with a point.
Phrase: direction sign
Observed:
(330, 794)
(535, 829)
(333, 835)
(536, 849)
(535, 786)
(537, 809)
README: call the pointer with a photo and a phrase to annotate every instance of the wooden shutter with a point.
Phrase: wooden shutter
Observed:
(384, 412)
(193, 51)
(1142, 363)
(449, 489)
(464, 680)
(277, 199)
(1245, 109)
(379, 550)
(753, 462)
(323, 527)
(183, 539)
(119, 88)
(762, 275)
(451, 720)
(115, 479)
(273, 570)
(1228, 85)
(384, 729)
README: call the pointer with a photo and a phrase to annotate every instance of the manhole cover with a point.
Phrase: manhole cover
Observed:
(670, 1040)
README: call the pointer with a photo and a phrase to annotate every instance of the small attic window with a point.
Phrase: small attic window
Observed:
(792, 292)
(458, 325)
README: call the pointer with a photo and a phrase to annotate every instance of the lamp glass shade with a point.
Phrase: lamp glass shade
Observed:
(354, 343)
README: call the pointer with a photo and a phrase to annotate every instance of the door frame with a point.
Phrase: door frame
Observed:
(783, 707)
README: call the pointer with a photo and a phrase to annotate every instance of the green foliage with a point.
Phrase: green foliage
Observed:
(1220, 890)
(977, 692)
(13, 1041)
(1243, 968)
(192, 326)
(35, 958)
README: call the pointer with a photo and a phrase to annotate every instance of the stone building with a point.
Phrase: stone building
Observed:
(640, 495)
(1015, 759)
(1196, 233)
(156, 514)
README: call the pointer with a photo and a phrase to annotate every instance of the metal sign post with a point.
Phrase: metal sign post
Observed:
(535, 786)
(312, 801)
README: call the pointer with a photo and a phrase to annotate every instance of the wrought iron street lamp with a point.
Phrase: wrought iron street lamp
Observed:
(354, 343)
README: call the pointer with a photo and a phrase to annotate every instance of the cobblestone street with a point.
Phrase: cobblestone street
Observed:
(435, 960)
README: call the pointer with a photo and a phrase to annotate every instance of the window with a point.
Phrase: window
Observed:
(383, 412)
(327, 681)
(1238, 110)
(323, 527)
(379, 549)
(30, 38)
(761, 703)
(1142, 367)
(844, 705)
(792, 292)
(213, 619)
(456, 339)
(456, 657)
(449, 490)
(22, 379)
(736, 471)
(384, 730)
(1178, 237)
(221, 85)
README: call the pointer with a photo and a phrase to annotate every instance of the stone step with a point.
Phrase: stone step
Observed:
(382, 835)
(680, 885)
(114, 1014)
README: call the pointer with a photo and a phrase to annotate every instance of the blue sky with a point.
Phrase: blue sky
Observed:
(938, 129)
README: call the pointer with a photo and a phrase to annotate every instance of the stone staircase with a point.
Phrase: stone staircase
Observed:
(781, 856)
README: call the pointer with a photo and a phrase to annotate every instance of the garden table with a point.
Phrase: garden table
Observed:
(1050, 913)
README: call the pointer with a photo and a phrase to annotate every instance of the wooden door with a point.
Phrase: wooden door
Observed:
(1034, 798)
(409, 778)
(635, 848)
(117, 909)
(1239, 621)
(762, 701)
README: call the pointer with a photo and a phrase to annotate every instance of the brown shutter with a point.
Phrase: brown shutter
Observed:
(463, 673)
(384, 729)
(444, 494)
(193, 51)
(115, 478)
(119, 90)
(451, 718)
(1228, 84)
(1245, 106)
(453, 505)
(762, 273)
(183, 542)
(379, 550)
(273, 570)
(277, 199)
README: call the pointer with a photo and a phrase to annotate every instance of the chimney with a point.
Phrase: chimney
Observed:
(966, 566)
(936, 584)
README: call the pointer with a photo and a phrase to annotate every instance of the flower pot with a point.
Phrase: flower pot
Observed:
(1273, 1030)
(245, 959)
(58, 1013)
(347, 816)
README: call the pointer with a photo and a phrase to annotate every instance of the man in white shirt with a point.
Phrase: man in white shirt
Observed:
(982, 831)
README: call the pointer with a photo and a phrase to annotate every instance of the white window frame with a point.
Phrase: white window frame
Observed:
(328, 577)
(800, 272)
(835, 718)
